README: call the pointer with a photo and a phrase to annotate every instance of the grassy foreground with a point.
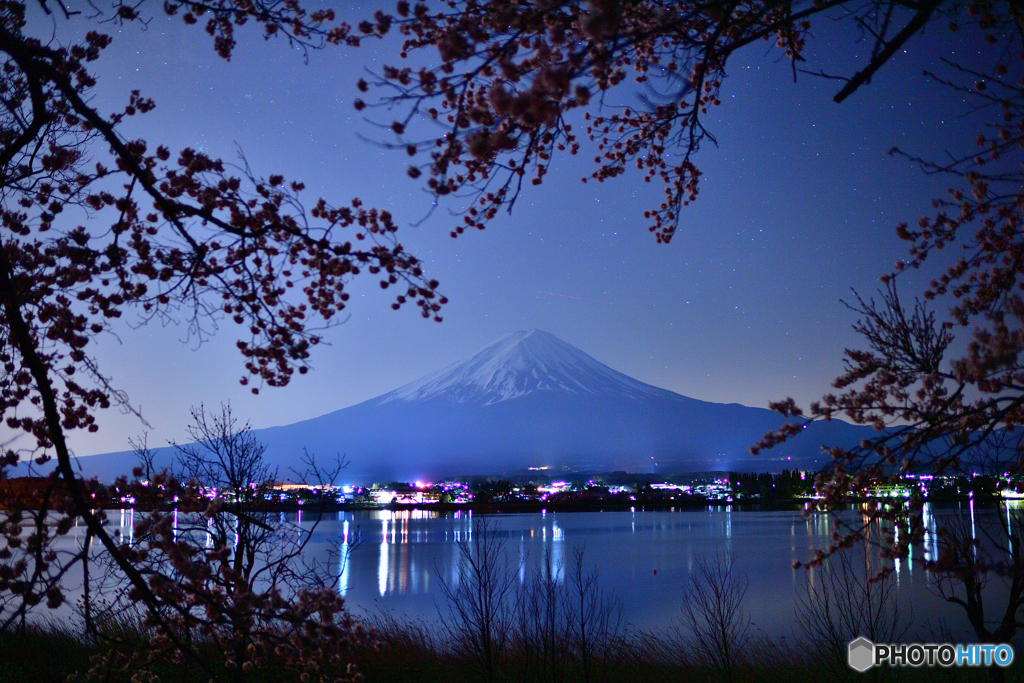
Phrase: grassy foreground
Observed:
(405, 652)
(413, 653)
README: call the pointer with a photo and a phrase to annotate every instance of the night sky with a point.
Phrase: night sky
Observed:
(798, 205)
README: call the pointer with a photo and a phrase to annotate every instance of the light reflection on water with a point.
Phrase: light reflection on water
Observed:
(642, 557)
(395, 559)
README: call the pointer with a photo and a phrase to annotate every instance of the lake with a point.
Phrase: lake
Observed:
(642, 557)
(398, 559)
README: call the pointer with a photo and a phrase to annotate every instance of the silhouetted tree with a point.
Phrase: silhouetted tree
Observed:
(506, 77)
(95, 226)
(843, 602)
(144, 455)
(941, 379)
(714, 615)
(565, 623)
(933, 415)
(975, 551)
(939, 375)
(501, 80)
(231, 581)
(480, 597)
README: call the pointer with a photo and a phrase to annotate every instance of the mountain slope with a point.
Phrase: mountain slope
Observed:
(532, 400)
(519, 364)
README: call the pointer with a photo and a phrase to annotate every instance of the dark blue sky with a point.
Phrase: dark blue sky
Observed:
(798, 206)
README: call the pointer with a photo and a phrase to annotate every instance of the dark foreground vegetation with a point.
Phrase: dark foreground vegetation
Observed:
(555, 625)
(412, 653)
(220, 592)
(407, 654)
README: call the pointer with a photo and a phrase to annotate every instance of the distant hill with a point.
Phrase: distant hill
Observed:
(532, 400)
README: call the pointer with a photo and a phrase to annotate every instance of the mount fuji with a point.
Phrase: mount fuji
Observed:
(532, 400)
(520, 364)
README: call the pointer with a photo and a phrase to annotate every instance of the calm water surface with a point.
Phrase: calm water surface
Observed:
(642, 557)
(397, 560)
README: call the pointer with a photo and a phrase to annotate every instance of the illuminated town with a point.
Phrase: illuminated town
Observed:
(615, 490)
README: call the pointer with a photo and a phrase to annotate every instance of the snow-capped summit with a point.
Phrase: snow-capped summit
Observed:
(531, 400)
(518, 364)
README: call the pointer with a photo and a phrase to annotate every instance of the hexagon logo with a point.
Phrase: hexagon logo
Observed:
(861, 654)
